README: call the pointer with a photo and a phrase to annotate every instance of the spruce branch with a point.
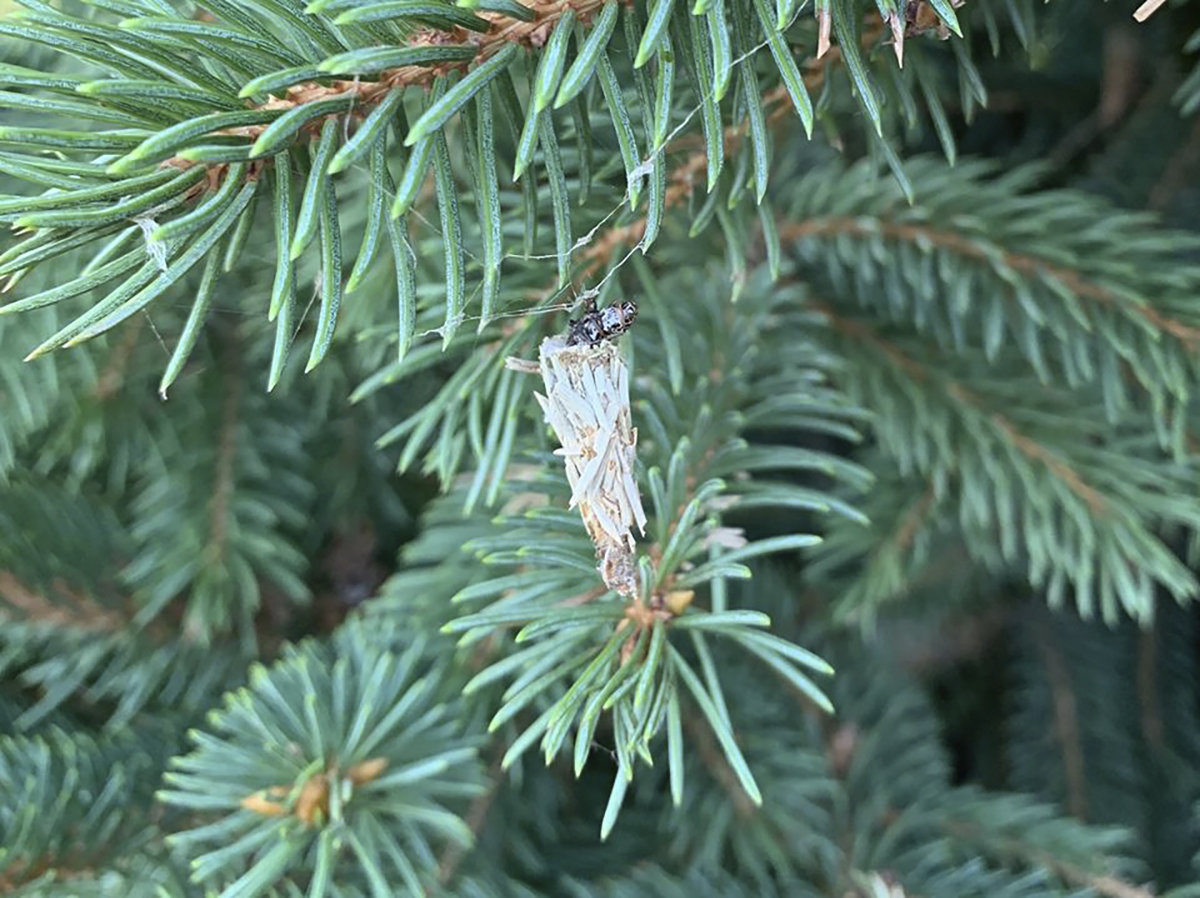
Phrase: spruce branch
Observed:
(959, 245)
(749, 414)
(1033, 836)
(213, 537)
(117, 675)
(1075, 290)
(1111, 766)
(908, 550)
(202, 150)
(718, 768)
(872, 790)
(1082, 506)
(341, 763)
(791, 828)
(1034, 451)
(603, 253)
(360, 96)
(74, 807)
(1001, 828)
(69, 636)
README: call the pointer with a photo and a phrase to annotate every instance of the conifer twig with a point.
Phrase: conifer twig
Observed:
(224, 475)
(1147, 690)
(477, 815)
(916, 516)
(1026, 445)
(714, 760)
(960, 245)
(1102, 884)
(113, 374)
(1180, 167)
(83, 613)
(1066, 726)
(365, 94)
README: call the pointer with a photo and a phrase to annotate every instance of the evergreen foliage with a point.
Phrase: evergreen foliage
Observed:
(296, 599)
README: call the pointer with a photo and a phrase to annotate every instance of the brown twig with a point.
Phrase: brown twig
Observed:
(702, 738)
(900, 539)
(365, 94)
(1034, 450)
(1103, 884)
(1027, 446)
(113, 374)
(1120, 85)
(81, 612)
(917, 515)
(1147, 690)
(19, 874)
(504, 31)
(683, 180)
(453, 855)
(956, 243)
(1065, 724)
(1176, 172)
(224, 472)
(1109, 886)
(959, 640)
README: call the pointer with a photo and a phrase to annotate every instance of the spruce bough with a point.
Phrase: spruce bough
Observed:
(898, 454)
